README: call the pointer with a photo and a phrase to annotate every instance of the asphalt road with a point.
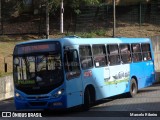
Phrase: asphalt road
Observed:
(145, 105)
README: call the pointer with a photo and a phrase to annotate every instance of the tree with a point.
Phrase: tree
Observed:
(126, 2)
(74, 4)
(47, 19)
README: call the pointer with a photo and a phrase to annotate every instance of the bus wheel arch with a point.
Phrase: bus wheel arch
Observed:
(89, 96)
(134, 77)
(133, 87)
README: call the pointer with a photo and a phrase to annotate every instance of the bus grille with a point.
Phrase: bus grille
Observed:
(39, 97)
(37, 103)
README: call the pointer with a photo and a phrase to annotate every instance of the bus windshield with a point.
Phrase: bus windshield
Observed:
(35, 73)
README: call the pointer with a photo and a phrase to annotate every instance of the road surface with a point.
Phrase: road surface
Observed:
(145, 105)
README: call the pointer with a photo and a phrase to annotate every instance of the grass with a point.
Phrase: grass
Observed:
(91, 34)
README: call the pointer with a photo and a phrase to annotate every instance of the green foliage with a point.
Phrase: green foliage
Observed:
(91, 1)
(74, 4)
(12, 6)
(54, 4)
(88, 35)
(100, 32)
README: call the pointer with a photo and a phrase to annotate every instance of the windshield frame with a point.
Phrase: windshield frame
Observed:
(49, 53)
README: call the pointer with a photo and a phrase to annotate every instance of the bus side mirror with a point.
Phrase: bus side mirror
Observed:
(5, 67)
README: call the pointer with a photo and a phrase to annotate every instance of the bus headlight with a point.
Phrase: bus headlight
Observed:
(58, 93)
(17, 95)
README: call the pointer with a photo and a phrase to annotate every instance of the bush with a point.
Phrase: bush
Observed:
(100, 32)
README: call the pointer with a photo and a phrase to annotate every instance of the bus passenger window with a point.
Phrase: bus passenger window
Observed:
(146, 52)
(136, 52)
(99, 55)
(125, 53)
(85, 56)
(129, 59)
(113, 54)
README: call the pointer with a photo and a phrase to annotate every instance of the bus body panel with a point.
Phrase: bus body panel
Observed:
(120, 76)
(144, 72)
(111, 80)
(88, 79)
(74, 92)
(100, 75)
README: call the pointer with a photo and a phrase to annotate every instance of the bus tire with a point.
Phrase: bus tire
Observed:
(133, 88)
(87, 99)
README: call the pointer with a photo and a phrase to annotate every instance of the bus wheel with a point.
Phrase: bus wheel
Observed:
(133, 88)
(87, 99)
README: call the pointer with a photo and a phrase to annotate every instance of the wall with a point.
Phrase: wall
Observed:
(6, 87)
(156, 49)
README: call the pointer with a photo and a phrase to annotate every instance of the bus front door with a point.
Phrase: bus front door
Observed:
(73, 78)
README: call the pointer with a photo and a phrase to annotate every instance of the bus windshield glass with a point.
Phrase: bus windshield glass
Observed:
(35, 71)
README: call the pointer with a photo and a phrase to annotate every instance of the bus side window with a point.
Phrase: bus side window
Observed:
(125, 53)
(136, 52)
(99, 55)
(113, 54)
(71, 63)
(146, 51)
(85, 56)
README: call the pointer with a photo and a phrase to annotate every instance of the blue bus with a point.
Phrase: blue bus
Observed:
(72, 71)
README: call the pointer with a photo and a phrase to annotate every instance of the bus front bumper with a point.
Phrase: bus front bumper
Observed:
(52, 103)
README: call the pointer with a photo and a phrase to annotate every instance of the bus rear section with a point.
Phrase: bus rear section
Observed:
(142, 68)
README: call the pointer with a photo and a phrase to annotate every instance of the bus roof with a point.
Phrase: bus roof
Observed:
(77, 40)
